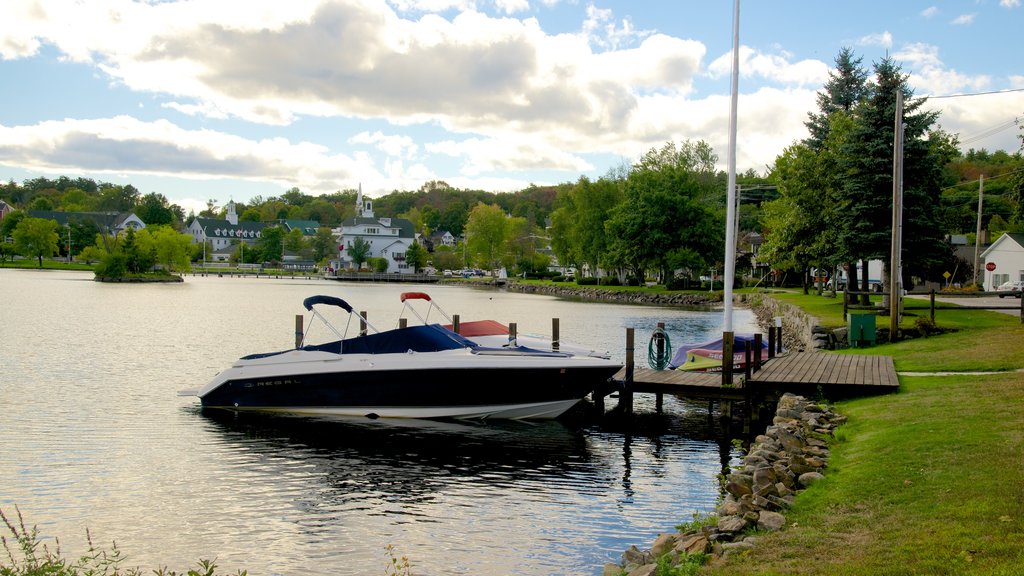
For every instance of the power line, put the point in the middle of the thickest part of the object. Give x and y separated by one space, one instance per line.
965 94
992 131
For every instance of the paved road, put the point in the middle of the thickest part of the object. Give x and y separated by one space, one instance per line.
978 301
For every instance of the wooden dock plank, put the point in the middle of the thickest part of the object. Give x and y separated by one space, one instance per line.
847 371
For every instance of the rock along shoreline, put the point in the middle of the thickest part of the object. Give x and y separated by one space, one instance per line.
791 455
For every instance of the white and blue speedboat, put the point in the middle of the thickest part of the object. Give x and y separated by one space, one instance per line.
415 372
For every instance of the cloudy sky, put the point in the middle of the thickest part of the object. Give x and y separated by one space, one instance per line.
231 99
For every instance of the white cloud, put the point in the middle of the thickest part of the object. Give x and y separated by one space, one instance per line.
774 67
930 11
127 145
883 39
963 19
398 146
929 75
512 6
1009 3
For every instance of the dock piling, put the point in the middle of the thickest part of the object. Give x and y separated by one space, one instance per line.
626 394
298 330
728 344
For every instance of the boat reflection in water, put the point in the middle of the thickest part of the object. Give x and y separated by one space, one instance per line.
406 459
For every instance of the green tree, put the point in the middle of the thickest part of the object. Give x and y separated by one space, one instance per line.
801 225
83 234
846 87
76 200
36 238
578 224
271 244
416 256
324 244
294 241
92 254
153 209
866 167
172 248
115 198
379 265
486 230
359 252
139 256
10 222
668 220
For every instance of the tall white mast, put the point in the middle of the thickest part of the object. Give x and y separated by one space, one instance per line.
730 212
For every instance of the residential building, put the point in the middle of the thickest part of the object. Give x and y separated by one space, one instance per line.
5 209
388 238
1004 260
224 234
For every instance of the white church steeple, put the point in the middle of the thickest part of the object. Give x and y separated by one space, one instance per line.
364 209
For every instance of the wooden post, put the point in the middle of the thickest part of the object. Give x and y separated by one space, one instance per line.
778 341
746 359
626 395
362 323
554 334
298 330
758 345
512 334
403 322
455 323
845 305
727 358
771 342
660 344
932 298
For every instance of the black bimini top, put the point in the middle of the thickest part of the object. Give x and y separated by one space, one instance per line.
431 338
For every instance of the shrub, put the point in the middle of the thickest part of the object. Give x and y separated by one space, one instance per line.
587 281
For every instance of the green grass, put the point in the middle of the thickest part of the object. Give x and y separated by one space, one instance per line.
47 265
926 481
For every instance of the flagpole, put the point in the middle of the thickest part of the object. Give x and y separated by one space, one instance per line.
730 212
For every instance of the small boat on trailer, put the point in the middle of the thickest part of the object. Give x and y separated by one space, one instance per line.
708 356
416 372
491 333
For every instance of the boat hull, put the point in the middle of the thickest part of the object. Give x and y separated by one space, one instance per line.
490 392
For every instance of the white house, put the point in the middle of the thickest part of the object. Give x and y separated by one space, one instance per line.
388 238
223 233
1004 260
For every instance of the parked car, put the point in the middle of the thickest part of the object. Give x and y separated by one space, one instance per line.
1012 288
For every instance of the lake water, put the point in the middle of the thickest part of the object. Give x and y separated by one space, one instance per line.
93 435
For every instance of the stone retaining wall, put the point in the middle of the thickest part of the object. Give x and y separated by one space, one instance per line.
791 455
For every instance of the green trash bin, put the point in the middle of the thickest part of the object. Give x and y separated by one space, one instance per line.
861 330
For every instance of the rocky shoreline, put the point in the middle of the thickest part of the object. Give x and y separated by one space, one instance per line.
791 455
699 300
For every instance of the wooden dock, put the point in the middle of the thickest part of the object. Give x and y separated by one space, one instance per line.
838 375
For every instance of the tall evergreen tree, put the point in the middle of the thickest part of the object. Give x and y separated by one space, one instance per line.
846 87
866 166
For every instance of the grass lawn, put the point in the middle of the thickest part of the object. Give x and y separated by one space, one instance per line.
929 480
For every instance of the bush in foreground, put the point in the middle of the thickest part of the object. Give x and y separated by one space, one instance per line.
28 556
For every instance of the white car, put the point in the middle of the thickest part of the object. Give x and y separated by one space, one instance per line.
1011 288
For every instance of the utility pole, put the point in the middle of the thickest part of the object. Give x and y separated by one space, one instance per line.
895 281
977 235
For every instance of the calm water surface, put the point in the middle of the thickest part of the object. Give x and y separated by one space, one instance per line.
93 435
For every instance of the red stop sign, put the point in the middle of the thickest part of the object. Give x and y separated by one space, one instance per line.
990 266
